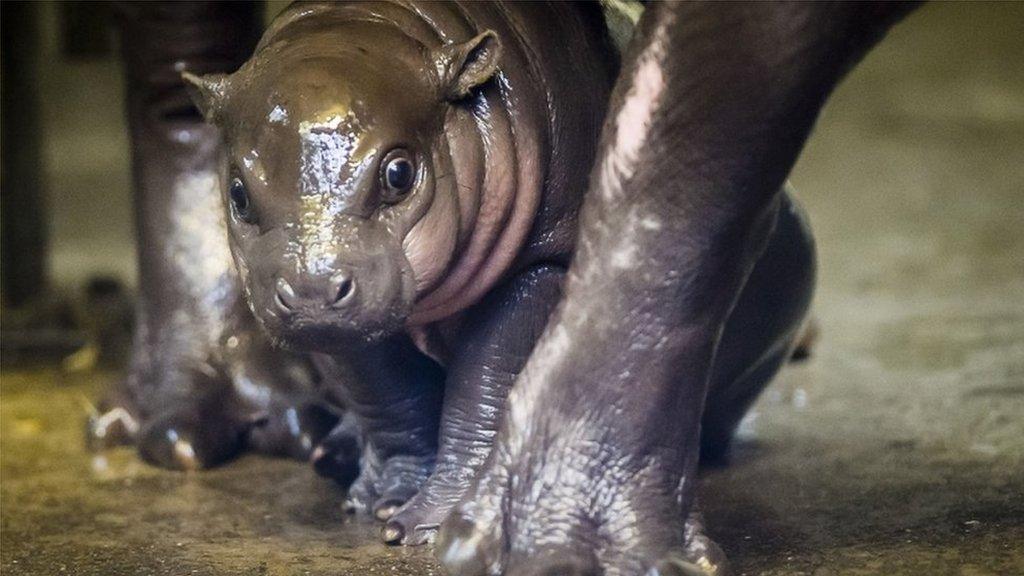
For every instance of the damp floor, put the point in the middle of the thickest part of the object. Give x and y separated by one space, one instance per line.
898 448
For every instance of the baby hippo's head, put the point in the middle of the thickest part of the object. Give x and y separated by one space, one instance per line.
342 206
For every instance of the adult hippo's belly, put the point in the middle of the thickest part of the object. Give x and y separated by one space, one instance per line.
403 181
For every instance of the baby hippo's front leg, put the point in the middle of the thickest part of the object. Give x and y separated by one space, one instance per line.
494 343
394 394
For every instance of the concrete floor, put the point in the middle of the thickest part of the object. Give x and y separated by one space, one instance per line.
897 449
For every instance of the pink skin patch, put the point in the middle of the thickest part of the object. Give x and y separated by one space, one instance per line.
431 243
464 144
633 121
510 197
497 193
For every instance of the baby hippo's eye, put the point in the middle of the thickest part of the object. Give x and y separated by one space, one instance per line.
240 201
397 174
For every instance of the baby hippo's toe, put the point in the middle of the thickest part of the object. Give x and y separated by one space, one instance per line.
416 522
412 525
385 486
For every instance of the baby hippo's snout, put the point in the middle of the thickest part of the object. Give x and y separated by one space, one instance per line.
336 293
363 293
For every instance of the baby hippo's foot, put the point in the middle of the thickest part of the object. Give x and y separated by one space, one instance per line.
385 483
417 521
565 500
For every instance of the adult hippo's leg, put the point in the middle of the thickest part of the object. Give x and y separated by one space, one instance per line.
594 468
757 339
763 329
203 382
497 339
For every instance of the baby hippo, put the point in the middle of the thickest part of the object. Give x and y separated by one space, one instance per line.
403 181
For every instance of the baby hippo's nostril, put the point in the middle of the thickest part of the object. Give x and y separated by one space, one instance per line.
342 286
285 297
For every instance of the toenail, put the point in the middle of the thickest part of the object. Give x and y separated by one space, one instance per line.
385 512
392 533
185 455
424 534
458 546
260 420
116 426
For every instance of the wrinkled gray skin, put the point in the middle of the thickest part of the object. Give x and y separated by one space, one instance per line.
203 383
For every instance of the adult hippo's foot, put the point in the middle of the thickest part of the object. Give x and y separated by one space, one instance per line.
183 414
495 341
661 545
568 503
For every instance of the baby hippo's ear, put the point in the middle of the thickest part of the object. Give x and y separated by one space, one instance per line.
466 65
207 92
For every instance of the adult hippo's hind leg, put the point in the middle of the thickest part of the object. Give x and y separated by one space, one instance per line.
497 339
202 383
767 324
